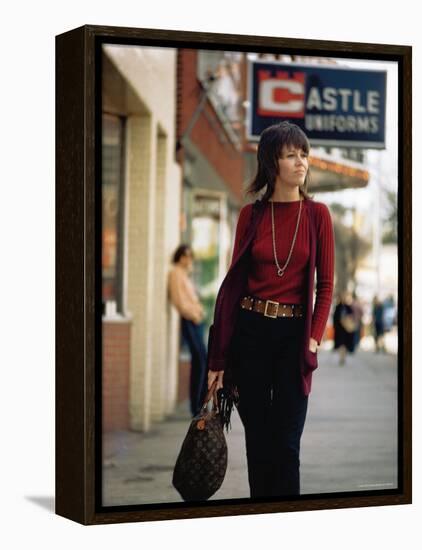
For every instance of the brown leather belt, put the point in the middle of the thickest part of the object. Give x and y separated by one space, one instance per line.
270 308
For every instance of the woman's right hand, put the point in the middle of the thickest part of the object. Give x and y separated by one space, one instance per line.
215 375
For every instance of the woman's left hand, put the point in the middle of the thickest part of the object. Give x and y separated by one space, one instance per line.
313 345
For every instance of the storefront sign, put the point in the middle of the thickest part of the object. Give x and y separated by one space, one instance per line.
335 106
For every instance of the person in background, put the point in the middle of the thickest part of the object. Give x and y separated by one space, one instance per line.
183 296
389 313
378 324
344 326
358 314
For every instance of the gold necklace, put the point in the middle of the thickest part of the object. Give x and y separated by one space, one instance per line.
281 270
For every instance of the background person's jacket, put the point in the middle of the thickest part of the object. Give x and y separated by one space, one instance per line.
183 295
234 287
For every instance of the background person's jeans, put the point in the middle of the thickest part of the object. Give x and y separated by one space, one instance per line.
194 337
272 406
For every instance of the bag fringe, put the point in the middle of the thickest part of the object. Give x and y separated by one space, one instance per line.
228 398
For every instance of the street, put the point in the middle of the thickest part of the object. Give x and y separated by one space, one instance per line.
349 442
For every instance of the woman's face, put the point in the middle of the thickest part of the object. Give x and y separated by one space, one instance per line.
293 166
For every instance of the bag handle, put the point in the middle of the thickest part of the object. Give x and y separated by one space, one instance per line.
212 392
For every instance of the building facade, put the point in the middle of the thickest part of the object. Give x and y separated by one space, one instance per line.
141 189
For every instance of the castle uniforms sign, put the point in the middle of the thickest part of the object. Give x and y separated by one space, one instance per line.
333 105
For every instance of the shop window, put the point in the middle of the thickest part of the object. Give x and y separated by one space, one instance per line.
112 212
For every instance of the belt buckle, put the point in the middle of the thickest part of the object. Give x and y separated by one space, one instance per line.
266 306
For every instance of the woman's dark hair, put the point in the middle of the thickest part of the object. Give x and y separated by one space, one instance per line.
270 146
180 251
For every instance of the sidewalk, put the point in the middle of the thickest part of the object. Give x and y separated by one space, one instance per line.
349 442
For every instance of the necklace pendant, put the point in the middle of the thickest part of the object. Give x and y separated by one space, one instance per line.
280 272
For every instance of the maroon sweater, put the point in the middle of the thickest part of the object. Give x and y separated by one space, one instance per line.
263 280
235 285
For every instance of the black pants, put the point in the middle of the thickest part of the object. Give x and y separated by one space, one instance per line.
272 406
194 336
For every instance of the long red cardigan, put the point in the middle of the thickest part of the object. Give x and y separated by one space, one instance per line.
234 287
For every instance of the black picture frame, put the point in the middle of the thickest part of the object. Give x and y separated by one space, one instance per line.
78 298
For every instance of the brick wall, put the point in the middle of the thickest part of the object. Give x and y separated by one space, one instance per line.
115 374
183 382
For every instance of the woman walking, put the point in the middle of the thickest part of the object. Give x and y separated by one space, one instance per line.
265 336
183 296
